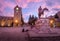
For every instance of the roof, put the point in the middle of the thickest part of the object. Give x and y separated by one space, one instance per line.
5 17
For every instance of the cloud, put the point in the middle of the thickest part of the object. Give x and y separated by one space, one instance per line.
18 1
7 11
30 6
56 9
25 3
33 1
4 4
57 6
52 3
53 6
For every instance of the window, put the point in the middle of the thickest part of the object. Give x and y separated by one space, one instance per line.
17 8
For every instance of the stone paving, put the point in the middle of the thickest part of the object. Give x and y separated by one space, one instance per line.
16 34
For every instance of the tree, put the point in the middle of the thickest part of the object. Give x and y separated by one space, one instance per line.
29 21
32 20
56 16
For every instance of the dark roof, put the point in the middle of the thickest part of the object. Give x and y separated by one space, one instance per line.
5 17
17 6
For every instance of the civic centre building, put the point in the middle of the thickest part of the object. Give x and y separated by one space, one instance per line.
17 20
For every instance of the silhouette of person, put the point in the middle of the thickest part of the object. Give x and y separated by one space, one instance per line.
23 30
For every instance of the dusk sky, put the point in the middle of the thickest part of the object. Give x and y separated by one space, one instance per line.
29 7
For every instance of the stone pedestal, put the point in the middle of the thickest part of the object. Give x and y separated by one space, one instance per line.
42 22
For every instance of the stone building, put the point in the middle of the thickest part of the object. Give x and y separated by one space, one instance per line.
6 21
16 20
57 19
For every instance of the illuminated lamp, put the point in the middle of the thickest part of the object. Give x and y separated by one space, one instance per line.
2 24
17 8
9 25
16 21
51 21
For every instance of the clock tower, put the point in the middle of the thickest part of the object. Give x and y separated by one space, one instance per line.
17 16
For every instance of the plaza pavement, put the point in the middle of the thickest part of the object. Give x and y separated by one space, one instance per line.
16 34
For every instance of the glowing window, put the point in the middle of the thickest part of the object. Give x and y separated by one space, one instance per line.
17 8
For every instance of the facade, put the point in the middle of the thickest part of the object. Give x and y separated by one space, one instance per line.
50 22
6 21
17 20
57 19
17 16
42 22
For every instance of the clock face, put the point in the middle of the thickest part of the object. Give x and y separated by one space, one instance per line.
17 8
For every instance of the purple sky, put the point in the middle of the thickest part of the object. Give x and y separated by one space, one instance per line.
29 7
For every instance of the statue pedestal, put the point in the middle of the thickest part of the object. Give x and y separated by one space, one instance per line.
42 22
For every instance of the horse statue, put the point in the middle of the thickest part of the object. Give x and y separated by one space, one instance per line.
41 11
